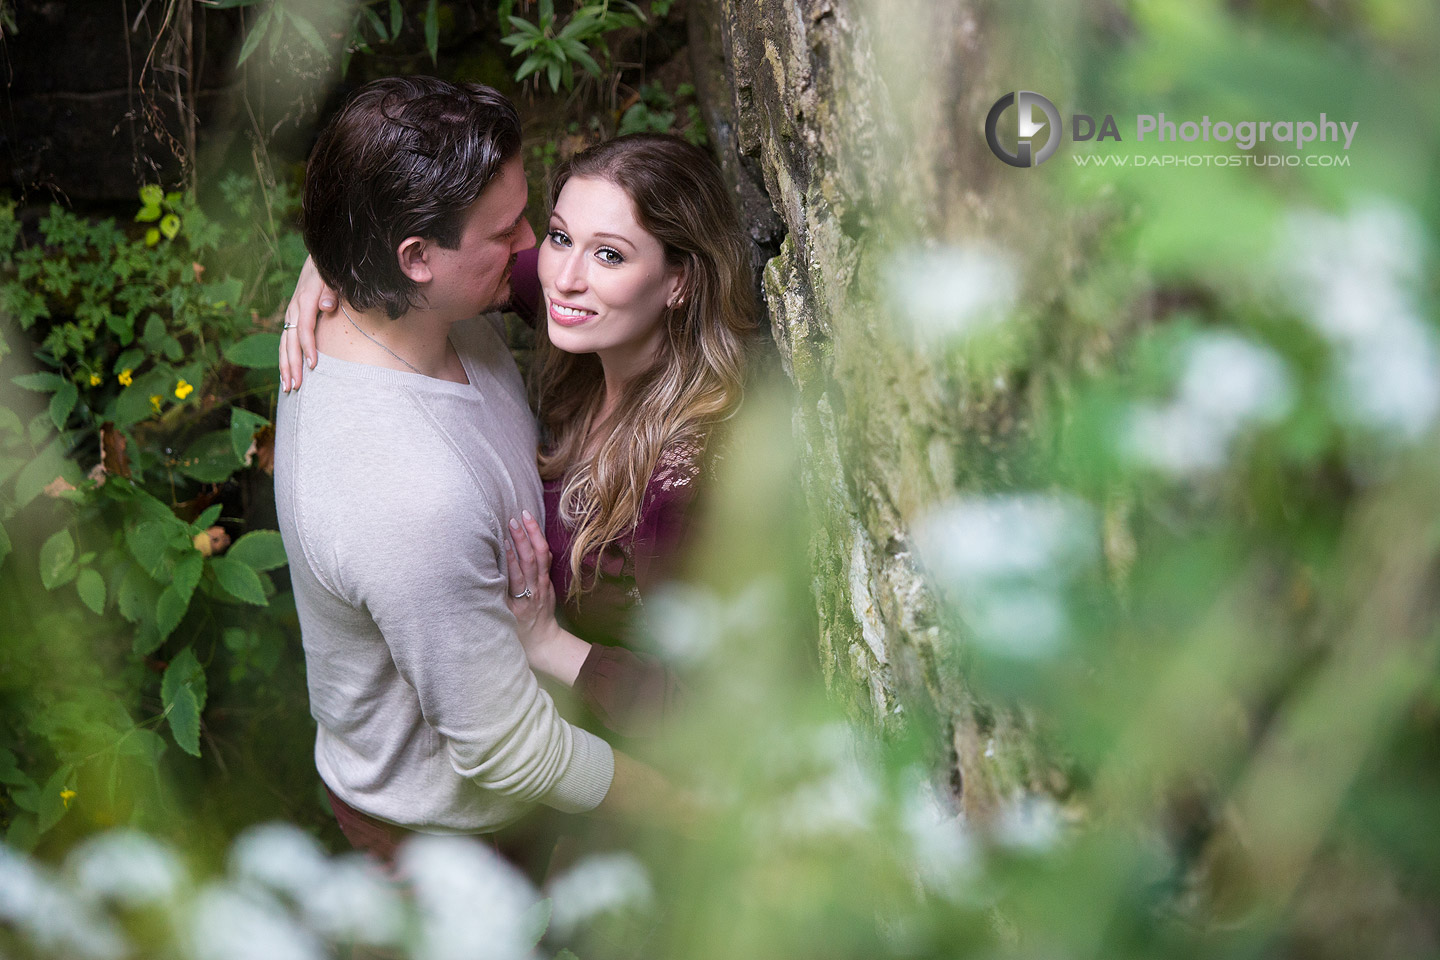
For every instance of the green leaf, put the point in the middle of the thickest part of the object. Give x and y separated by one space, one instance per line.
147 639
432 30
522 25
256 34
184 671
258 351
133 403
152 195
175 599
577 27
10 773
259 550
39 381
206 519
62 403
23 833
39 473
307 31
91 587
583 57
184 715
532 63
128 360
5 544
396 18
55 558
170 610
140 742
211 459
554 77
239 580
148 540
243 425
376 24
137 596
52 803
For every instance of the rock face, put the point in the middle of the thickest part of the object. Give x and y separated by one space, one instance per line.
851 141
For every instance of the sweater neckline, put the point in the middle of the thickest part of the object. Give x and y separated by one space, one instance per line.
352 370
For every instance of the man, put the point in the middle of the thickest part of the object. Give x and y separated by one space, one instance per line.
396 468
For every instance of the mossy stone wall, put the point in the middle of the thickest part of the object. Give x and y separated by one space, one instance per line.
837 170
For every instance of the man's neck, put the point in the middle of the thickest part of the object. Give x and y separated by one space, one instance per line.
416 342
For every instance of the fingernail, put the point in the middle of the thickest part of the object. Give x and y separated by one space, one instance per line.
284 385
526 514
312 363
327 304
514 524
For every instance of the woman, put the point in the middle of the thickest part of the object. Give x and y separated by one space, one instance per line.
647 303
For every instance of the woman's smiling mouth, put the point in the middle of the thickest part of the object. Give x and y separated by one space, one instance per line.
567 315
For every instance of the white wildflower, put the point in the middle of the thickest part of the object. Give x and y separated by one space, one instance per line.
601 883
951 292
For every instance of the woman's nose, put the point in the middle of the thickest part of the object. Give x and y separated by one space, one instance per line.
571 275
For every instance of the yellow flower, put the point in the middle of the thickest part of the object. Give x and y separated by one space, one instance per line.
125 378
155 401
96 379
66 796
183 389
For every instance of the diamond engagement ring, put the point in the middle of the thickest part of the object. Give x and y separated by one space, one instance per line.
522 596
288 326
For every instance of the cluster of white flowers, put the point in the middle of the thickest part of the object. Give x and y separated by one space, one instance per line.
283 898
1355 279
1228 385
602 883
1004 562
951 293
686 623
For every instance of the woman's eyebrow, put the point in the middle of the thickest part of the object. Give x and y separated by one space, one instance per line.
616 236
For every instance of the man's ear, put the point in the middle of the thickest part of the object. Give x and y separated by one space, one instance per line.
413 255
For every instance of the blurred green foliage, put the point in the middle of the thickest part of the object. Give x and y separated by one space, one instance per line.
156 384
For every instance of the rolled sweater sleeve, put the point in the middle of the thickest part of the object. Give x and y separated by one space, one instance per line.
439 603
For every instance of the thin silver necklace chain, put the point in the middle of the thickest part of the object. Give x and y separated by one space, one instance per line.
376 342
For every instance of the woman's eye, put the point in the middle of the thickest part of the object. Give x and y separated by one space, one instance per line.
609 256
558 236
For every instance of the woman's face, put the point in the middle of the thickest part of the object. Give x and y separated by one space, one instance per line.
605 279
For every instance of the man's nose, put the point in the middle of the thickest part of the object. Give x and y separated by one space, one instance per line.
526 237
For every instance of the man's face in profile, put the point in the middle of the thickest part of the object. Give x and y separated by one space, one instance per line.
475 276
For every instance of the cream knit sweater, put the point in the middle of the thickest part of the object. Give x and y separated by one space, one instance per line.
394 490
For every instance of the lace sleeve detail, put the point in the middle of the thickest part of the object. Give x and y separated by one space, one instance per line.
663 532
678 466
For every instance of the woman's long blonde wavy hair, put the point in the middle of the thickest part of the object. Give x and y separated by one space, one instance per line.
696 379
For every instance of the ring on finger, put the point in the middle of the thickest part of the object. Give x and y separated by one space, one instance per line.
523 596
288 326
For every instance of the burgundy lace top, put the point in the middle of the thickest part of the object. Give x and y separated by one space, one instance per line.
629 693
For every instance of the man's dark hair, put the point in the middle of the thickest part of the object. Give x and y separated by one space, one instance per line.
405 157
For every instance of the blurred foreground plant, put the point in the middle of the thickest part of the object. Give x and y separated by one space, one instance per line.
123 493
